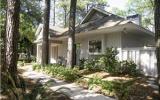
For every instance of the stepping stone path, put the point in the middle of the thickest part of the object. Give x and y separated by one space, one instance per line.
71 89
152 83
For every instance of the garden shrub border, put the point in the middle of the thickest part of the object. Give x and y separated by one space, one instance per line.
117 89
60 72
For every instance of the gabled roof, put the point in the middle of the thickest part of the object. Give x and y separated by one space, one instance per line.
96 13
54 30
95 19
106 20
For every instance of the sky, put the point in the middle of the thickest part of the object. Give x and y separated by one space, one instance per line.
117 3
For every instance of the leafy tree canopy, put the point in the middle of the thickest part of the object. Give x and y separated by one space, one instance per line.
143 7
30 17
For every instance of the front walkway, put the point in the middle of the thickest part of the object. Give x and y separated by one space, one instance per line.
75 92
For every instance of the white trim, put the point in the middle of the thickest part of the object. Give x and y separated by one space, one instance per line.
140 48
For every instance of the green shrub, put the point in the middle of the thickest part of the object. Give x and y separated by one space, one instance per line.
93 64
90 64
122 89
36 67
81 63
109 63
109 59
106 62
116 88
127 68
106 85
59 72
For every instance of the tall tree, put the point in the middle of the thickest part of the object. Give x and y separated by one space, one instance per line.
30 17
3 7
136 7
45 41
54 12
145 9
12 35
71 35
157 36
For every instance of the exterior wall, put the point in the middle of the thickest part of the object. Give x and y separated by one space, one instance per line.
39 53
114 40
40 35
83 48
51 54
62 50
137 48
135 40
108 40
84 44
145 58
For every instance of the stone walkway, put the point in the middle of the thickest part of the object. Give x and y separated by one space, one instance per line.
71 89
152 83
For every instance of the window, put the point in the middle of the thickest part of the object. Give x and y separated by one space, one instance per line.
95 46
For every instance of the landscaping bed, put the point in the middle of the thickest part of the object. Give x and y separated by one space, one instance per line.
107 75
124 87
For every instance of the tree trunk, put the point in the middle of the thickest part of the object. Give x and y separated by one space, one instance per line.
54 11
71 36
157 37
3 37
12 35
45 43
65 16
3 57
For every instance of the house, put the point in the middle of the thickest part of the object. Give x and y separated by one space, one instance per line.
97 31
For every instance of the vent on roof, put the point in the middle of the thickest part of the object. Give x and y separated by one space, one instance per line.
135 19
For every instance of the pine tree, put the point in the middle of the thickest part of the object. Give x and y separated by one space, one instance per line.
71 36
45 42
157 36
12 35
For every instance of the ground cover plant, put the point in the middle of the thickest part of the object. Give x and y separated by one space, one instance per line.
110 88
59 72
122 86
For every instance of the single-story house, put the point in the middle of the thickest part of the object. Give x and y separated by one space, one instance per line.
99 30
